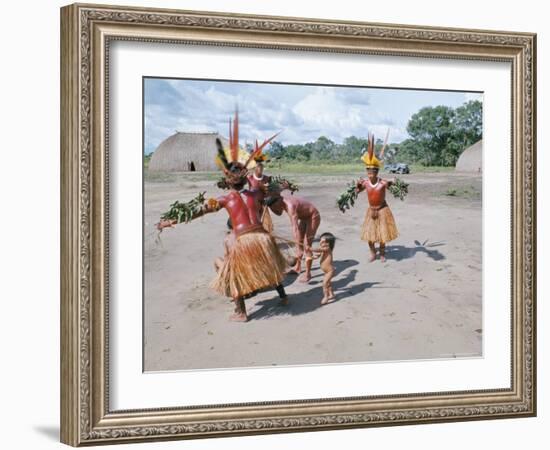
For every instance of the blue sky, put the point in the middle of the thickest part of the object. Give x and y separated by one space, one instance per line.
301 113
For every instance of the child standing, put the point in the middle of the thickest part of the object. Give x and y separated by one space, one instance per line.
326 246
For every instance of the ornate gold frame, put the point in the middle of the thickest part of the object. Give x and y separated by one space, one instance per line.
86 31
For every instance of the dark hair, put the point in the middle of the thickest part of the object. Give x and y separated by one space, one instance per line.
222 183
229 224
235 176
271 200
330 238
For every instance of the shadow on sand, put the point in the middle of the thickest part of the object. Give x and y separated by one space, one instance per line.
400 252
339 267
308 301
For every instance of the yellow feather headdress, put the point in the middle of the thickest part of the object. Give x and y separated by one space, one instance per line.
369 158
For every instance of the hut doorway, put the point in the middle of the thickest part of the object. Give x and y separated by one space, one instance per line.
192 167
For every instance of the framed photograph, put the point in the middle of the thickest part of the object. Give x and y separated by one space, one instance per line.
276 224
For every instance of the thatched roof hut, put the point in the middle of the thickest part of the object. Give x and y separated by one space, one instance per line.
186 152
470 159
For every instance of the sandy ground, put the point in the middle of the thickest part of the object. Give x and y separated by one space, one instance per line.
423 303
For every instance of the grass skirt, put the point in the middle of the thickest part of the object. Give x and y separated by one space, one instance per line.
380 229
254 262
267 221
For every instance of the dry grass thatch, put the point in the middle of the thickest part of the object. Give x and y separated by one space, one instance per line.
470 159
186 152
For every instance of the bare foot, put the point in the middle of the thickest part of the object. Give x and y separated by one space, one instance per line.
372 257
305 278
238 317
382 258
332 297
283 301
324 301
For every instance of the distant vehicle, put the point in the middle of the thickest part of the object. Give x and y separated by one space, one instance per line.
398 168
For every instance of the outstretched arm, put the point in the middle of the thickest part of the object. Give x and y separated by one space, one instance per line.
165 223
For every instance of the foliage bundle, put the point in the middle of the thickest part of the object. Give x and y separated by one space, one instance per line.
347 198
278 183
399 189
185 212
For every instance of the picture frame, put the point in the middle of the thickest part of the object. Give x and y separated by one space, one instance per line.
87 31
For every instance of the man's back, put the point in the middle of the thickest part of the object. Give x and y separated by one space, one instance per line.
244 209
302 208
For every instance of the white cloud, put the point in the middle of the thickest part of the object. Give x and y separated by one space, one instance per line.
339 113
302 113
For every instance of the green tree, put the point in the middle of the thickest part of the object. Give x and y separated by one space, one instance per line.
440 134
297 152
437 137
468 123
276 150
431 129
322 149
352 147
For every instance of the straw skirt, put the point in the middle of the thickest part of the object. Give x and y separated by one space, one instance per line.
267 221
254 262
379 226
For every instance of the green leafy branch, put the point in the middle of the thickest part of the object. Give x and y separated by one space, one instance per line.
347 199
399 189
278 183
185 212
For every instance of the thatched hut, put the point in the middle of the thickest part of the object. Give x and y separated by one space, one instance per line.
186 152
470 160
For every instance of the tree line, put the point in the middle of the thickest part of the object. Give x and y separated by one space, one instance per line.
438 135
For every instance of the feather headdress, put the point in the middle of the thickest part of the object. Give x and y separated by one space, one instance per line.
233 155
257 154
237 156
369 158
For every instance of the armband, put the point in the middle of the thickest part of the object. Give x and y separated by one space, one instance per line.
212 203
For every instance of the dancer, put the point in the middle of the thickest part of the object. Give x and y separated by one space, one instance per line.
379 225
305 220
254 261
259 181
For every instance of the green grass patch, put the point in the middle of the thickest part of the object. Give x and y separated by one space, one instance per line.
170 177
338 168
289 169
315 168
